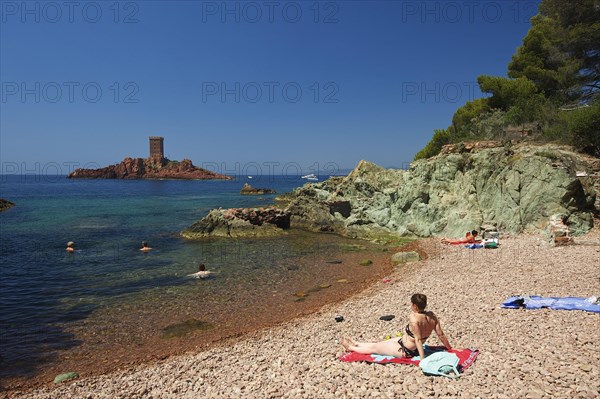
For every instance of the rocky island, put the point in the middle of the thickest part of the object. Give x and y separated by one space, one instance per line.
154 167
249 190
144 168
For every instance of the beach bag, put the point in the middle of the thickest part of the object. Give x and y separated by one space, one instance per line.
440 363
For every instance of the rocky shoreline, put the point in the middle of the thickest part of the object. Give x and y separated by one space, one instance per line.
525 354
5 205
146 168
516 189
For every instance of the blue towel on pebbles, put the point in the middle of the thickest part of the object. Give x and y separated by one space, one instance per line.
556 303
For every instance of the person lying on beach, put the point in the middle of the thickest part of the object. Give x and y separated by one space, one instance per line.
70 246
420 325
145 247
201 273
469 239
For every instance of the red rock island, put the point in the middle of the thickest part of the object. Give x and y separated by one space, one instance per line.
154 167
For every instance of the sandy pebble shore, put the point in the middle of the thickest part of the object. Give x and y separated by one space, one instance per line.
524 354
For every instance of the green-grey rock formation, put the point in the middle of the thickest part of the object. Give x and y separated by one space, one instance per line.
515 188
240 223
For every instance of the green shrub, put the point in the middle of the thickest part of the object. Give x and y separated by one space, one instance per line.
439 139
548 154
462 121
584 128
489 125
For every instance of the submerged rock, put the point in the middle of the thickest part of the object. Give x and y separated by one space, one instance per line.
185 327
65 377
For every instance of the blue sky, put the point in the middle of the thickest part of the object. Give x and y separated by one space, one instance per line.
317 84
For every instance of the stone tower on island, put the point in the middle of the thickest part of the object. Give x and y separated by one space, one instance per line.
157 151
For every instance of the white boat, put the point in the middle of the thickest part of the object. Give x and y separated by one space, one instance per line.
310 177
249 177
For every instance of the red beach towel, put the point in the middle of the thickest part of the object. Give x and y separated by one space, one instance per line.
466 357
460 242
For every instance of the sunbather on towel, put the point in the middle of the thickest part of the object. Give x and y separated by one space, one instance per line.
419 328
469 239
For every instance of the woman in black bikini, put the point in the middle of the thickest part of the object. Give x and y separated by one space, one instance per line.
419 328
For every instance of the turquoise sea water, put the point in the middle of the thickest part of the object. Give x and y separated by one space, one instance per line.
44 290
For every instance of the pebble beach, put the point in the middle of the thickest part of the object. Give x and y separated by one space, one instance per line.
523 353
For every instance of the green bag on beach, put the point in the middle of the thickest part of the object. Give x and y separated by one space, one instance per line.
440 363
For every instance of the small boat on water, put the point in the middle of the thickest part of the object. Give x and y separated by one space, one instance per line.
249 177
310 177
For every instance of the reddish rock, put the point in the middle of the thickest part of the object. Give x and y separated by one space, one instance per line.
240 222
146 168
259 216
469 146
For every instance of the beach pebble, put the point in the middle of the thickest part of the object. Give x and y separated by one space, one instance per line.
65 377
535 394
586 367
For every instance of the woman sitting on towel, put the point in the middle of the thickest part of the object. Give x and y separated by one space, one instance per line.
420 325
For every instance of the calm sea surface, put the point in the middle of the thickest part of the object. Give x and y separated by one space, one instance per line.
49 298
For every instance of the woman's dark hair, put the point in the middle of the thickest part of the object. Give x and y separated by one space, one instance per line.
420 300
144 244
474 232
201 267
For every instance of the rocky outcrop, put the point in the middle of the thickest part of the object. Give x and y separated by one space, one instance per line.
240 222
469 147
517 188
249 190
145 168
4 204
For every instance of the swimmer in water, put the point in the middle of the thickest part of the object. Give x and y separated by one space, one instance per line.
145 247
201 273
70 247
